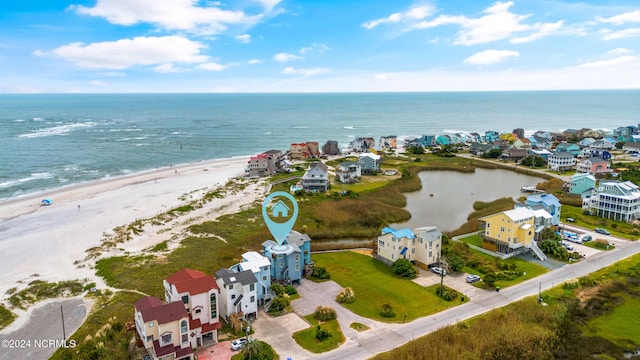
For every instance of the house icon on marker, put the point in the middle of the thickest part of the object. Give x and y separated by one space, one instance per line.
280 209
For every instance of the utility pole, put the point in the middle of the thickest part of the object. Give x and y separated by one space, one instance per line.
64 334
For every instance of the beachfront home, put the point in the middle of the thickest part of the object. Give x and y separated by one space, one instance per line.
593 166
475 137
303 151
388 142
263 164
614 200
582 184
479 149
574 149
562 161
421 245
543 142
510 232
361 144
316 178
412 141
428 140
238 294
514 154
491 136
260 266
348 172
369 163
547 202
603 145
631 147
522 143
163 329
586 142
199 293
443 140
331 148
289 261
543 153
518 133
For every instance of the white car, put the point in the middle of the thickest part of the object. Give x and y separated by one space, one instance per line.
473 278
238 344
439 271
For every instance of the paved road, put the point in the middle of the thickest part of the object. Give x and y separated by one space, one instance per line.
41 336
383 337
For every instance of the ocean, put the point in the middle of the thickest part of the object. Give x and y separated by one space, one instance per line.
53 140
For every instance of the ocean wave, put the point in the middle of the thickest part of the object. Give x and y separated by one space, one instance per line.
34 176
349 127
56 130
19 120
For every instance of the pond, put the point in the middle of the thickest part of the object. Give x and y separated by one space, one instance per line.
447 197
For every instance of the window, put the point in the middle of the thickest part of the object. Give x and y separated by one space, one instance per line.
230 286
185 338
297 267
380 243
185 299
264 278
430 255
253 299
280 256
252 287
198 311
413 251
233 296
214 306
297 257
281 264
166 339
149 338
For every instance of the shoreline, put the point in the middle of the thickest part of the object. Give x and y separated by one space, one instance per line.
50 242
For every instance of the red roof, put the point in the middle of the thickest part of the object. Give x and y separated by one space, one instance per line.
192 282
152 308
204 328
170 349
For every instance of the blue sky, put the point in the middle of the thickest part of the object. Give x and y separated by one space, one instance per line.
105 46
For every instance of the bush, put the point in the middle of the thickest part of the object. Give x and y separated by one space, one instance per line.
278 305
446 293
322 333
346 296
277 289
405 268
387 311
325 313
289 289
320 272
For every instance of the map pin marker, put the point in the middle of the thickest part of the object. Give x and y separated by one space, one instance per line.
279 214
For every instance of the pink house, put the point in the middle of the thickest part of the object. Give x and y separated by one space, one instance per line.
593 166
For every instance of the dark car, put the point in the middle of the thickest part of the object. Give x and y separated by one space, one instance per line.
602 231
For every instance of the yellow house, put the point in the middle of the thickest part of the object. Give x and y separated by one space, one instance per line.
509 231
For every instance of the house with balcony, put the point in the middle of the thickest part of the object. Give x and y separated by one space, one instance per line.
603 145
510 232
290 260
543 153
305 150
260 266
388 142
582 184
163 329
593 166
331 148
542 143
615 200
361 144
546 202
316 178
422 245
238 293
443 140
428 140
522 143
631 147
199 293
514 154
348 172
264 164
491 136
369 163
572 148
561 161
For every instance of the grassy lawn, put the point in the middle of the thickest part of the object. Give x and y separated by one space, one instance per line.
621 326
472 240
358 326
375 284
617 228
595 245
307 337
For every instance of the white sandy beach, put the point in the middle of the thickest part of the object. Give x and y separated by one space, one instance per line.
46 240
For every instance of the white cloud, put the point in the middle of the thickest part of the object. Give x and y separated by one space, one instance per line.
306 72
610 63
244 38
413 14
125 53
620 34
286 57
489 57
254 61
543 30
166 68
113 74
317 48
98 83
619 52
621 19
211 66
170 14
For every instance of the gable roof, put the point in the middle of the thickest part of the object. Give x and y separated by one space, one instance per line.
192 281
547 199
151 308
245 277
297 238
399 234
519 214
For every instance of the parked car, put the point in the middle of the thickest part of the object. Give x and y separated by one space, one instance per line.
238 344
473 278
567 246
439 271
571 220
586 238
602 231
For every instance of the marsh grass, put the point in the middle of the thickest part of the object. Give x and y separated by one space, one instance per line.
6 317
38 290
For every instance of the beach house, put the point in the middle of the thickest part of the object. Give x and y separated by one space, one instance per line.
260 266
428 140
421 245
491 136
331 148
262 165
289 261
561 161
388 142
361 144
305 150
631 147
238 294
163 329
316 178
199 293
522 143
547 202
369 163
593 166
348 172
582 184
572 148
614 200
510 232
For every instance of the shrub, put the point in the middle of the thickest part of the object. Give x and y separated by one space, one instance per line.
490 278
346 296
278 305
405 268
387 311
446 293
320 272
289 289
322 333
277 289
325 313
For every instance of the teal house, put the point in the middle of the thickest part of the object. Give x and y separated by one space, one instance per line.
582 184
288 261
574 149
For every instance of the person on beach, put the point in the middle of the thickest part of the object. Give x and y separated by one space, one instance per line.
78 207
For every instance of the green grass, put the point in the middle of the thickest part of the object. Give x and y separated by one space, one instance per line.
6 317
617 228
621 326
595 245
375 284
307 337
358 326
40 290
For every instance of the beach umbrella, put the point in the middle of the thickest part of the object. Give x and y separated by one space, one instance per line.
46 201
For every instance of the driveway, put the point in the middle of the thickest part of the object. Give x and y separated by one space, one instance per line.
219 351
277 332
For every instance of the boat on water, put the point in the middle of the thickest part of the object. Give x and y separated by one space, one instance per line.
530 189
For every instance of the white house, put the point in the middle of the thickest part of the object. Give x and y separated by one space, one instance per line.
561 161
199 293
238 293
421 245
348 172
260 266
316 178
615 200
